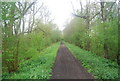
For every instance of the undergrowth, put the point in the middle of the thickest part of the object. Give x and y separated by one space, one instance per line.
38 67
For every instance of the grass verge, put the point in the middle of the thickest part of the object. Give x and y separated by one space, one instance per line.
100 67
39 67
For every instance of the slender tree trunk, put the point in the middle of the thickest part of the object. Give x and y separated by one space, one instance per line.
118 55
103 14
33 17
19 26
105 51
16 55
23 27
29 24
88 27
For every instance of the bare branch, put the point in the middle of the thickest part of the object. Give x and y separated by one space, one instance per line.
39 9
41 30
94 16
81 6
24 11
111 7
73 7
84 17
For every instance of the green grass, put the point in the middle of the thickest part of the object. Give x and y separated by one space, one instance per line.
100 67
39 67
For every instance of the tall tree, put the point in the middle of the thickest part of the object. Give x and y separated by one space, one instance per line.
12 13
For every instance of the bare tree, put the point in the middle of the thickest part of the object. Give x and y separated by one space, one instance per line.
104 12
34 11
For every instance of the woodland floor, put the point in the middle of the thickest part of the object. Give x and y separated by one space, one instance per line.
68 67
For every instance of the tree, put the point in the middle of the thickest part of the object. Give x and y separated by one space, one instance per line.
94 28
12 13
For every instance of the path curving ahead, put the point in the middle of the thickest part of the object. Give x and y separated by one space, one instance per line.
68 67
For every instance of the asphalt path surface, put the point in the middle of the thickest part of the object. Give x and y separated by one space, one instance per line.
68 67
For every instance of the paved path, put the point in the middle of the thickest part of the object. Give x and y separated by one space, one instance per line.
68 67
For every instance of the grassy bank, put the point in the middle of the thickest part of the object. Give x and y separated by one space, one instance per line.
100 67
38 67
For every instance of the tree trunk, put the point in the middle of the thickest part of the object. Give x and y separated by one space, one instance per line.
88 45
105 50
16 56
103 14
23 28
88 26
118 55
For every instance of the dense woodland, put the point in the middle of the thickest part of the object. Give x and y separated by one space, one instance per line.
28 30
95 28
24 36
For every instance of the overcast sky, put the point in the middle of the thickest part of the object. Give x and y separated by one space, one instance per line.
60 10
